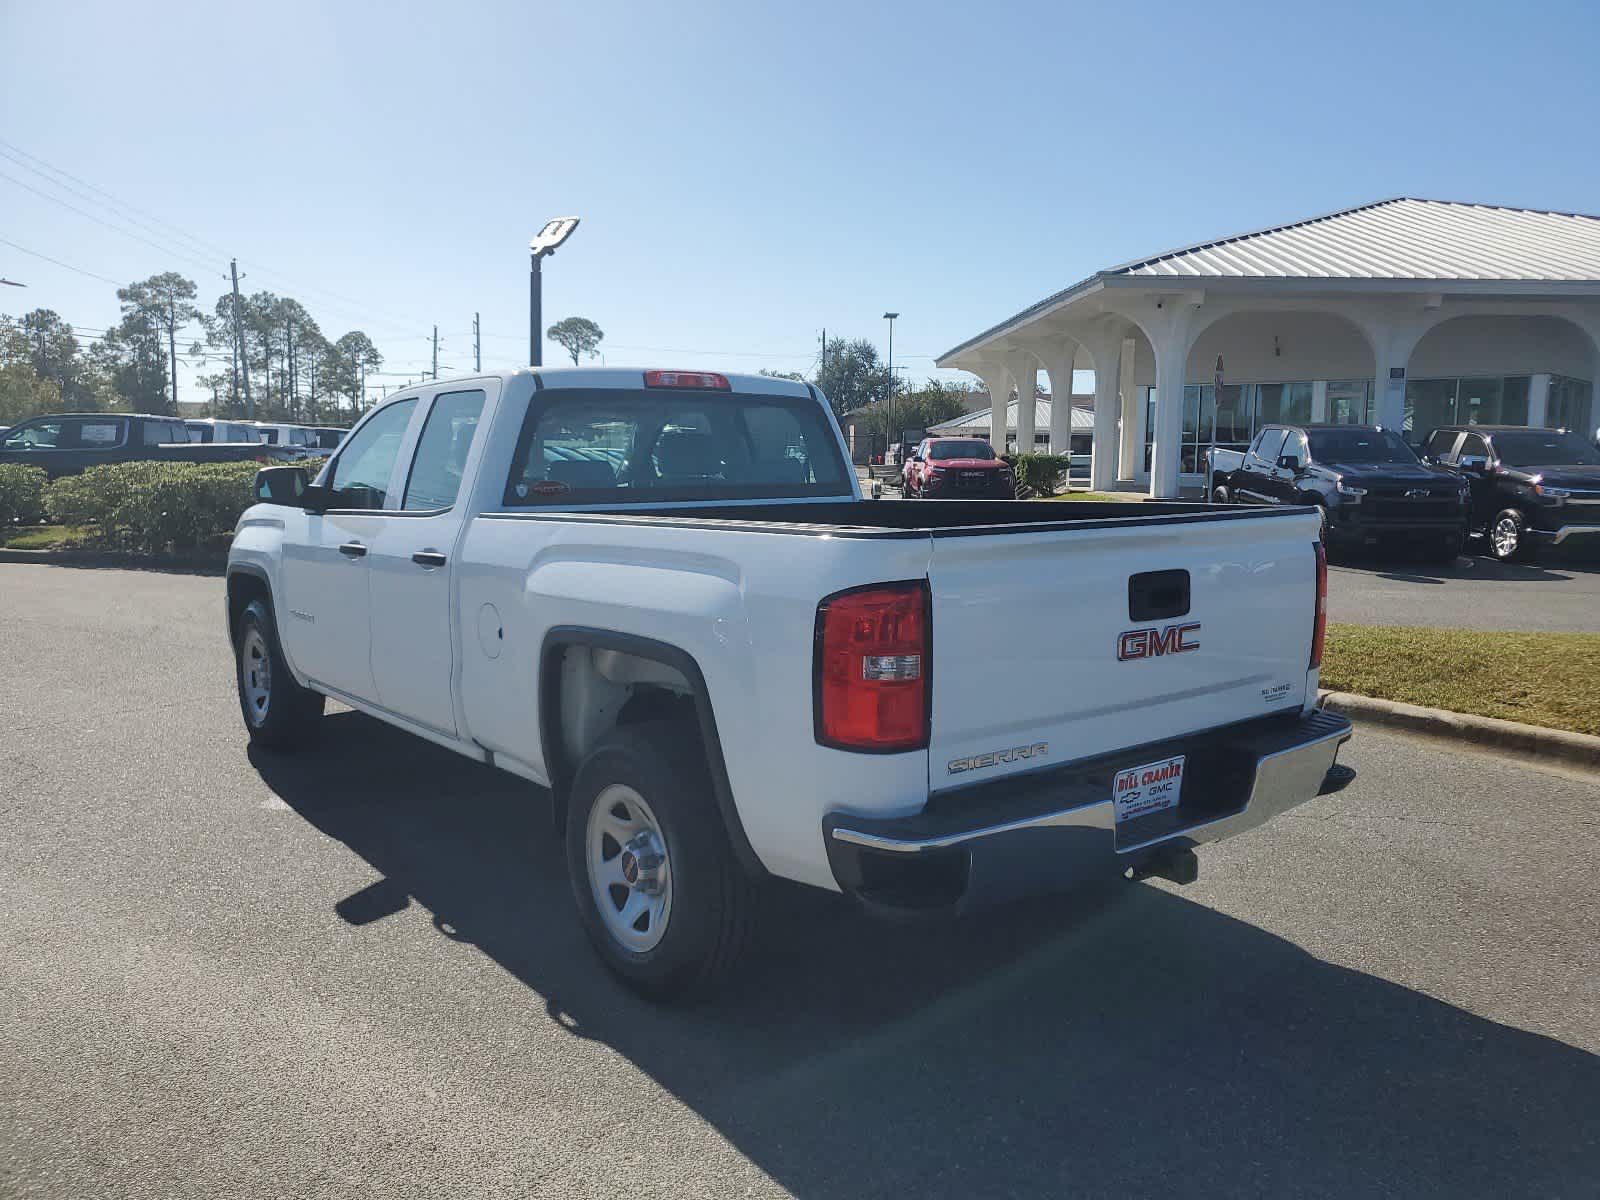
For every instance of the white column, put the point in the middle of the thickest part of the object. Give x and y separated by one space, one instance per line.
1058 360
1538 400
1024 368
998 380
1131 451
1106 350
1393 347
1319 401
1172 354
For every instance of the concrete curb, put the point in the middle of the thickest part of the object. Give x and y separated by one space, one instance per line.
193 564
1490 733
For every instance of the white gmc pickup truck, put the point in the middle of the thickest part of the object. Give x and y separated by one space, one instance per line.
661 595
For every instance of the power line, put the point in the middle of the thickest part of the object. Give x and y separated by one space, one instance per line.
124 210
129 209
59 263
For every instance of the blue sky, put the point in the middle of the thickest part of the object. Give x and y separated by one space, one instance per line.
746 173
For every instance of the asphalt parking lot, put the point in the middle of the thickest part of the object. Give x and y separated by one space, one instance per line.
355 972
1558 593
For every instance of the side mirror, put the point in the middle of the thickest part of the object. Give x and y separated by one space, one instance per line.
281 485
1289 462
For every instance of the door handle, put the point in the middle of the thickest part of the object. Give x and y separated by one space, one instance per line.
353 550
428 558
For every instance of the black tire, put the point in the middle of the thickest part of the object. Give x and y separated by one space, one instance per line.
1219 495
1508 537
713 899
281 715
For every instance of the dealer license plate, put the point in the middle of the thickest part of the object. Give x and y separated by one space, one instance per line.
1152 788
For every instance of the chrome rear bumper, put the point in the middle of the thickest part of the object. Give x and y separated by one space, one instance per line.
1054 828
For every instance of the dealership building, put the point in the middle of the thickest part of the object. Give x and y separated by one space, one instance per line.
1405 313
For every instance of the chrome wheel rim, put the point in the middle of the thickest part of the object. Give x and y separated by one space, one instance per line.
255 675
629 875
1505 537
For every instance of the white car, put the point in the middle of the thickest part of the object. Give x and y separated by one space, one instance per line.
209 430
294 438
661 595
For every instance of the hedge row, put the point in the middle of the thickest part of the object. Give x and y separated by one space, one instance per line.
142 507
21 494
1039 474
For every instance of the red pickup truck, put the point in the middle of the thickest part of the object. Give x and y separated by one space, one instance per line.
957 468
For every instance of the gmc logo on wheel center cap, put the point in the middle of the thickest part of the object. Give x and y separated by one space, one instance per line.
1153 643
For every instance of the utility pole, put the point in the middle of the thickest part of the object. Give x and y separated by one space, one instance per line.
824 371
436 352
238 341
477 343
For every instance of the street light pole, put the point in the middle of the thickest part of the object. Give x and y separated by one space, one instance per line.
535 342
888 401
544 242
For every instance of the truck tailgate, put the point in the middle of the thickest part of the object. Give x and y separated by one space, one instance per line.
1043 653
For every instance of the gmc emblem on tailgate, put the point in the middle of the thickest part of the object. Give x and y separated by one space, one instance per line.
1152 643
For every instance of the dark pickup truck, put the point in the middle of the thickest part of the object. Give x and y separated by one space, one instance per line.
1530 487
1369 486
66 443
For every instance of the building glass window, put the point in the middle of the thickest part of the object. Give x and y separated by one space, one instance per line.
1569 406
1349 402
1490 400
1288 402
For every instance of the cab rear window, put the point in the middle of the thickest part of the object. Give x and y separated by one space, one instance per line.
584 445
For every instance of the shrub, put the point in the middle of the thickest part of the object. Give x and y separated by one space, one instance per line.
155 508
21 494
1039 474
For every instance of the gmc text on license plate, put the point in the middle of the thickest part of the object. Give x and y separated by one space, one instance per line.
1151 788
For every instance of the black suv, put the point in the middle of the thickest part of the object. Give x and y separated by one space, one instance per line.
1367 483
1530 487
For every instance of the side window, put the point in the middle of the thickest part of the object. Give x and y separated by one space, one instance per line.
360 477
42 435
1441 444
442 451
1296 445
99 434
1269 445
154 433
1474 446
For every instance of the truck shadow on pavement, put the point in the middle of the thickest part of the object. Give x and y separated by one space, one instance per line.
1115 1043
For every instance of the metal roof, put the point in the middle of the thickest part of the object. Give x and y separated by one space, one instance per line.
976 422
1406 239
1398 239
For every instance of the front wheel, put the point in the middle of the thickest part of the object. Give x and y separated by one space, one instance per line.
1220 495
658 890
278 712
1508 537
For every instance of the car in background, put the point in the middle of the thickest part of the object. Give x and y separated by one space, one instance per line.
1367 484
67 443
297 441
207 430
328 436
1530 488
956 468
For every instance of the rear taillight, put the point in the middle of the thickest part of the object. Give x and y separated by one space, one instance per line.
1319 626
872 656
701 380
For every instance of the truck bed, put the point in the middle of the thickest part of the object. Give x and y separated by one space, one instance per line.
890 518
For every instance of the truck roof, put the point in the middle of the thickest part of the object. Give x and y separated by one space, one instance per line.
633 377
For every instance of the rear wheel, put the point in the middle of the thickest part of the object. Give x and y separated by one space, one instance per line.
657 887
1508 537
277 711
1219 495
